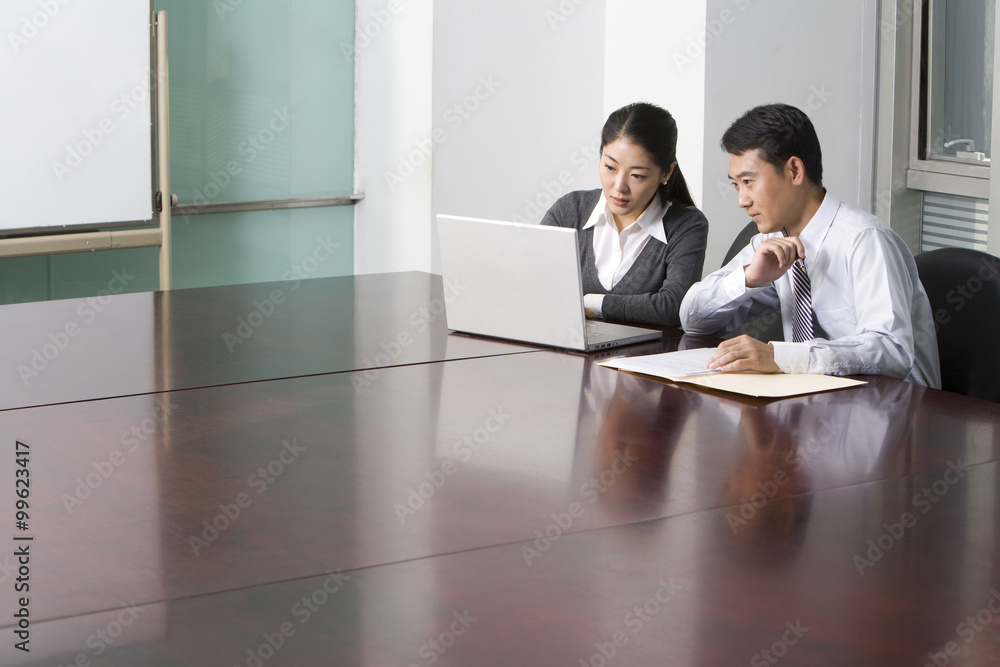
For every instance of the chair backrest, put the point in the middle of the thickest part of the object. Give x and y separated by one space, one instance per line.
964 290
741 241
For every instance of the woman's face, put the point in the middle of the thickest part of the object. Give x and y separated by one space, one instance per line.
629 179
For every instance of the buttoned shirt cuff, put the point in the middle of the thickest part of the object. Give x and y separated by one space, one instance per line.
594 302
735 284
791 357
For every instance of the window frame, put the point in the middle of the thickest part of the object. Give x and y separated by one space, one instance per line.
954 177
900 176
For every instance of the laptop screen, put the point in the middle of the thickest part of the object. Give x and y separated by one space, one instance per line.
514 280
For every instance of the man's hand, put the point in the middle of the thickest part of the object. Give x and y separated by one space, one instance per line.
744 353
772 259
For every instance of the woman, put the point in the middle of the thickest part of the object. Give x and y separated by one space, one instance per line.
642 241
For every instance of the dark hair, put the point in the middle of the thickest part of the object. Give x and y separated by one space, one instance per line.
778 131
654 130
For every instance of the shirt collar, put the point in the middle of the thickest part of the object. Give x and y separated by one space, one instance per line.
814 232
816 229
650 222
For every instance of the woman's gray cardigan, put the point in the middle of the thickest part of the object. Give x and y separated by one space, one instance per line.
652 290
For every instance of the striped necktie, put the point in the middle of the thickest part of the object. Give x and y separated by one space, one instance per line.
802 323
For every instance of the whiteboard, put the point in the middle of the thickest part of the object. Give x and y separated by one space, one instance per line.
77 114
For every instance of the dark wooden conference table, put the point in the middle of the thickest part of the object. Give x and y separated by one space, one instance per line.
340 481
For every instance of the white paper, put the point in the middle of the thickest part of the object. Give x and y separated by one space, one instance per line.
669 365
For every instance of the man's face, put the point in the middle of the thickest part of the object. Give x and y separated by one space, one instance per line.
766 193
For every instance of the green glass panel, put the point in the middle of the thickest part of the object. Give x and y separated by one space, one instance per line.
261 99
260 246
24 279
106 272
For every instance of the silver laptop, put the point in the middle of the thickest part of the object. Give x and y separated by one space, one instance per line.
521 282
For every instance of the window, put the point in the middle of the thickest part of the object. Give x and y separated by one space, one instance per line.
953 115
958 80
936 117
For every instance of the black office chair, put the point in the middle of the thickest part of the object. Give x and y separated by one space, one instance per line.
964 290
765 328
741 241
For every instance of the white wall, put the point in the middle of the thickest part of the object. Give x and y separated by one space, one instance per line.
534 81
818 56
655 52
393 98
517 105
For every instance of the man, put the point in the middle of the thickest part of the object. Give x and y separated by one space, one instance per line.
846 285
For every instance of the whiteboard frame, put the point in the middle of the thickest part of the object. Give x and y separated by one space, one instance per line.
74 237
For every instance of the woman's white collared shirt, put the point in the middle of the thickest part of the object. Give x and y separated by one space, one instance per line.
614 252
